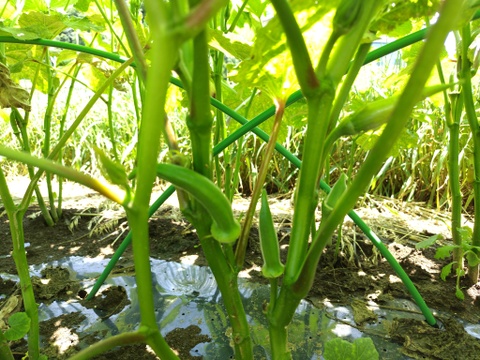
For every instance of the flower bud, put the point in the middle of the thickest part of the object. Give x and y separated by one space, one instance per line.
346 16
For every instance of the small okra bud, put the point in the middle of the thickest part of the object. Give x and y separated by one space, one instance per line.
375 114
346 15
272 265
334 195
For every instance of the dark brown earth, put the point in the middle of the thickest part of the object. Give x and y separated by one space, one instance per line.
351 275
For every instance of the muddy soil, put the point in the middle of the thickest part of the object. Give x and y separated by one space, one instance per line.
351 272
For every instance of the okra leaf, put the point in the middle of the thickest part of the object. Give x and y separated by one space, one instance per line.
459 294
11 94
446 270
428 242
445 251
472 258
19 325
338 349
364 349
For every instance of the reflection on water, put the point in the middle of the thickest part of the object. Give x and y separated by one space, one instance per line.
187 295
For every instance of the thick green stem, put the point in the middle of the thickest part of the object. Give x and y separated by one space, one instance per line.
279 343
132 38
227 282
400 115
469 102
5 352
24 142
20 257
109 343
47 125
347 45
453 124
291 294
301 59
163 59
306 195
200 120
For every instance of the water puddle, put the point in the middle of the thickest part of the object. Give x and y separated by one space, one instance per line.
187 295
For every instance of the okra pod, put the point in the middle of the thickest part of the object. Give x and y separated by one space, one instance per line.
272 265
225 228
375 114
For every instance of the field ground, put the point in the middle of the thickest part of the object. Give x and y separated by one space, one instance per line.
355 276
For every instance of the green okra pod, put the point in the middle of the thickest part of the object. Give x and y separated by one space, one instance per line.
346 15
225 227
272 265
375 114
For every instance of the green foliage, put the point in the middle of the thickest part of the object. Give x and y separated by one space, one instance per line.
255 55
360 349
19 325
428 242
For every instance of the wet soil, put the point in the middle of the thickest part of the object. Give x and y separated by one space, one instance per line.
351 272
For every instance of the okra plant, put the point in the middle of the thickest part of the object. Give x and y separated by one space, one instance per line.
178 40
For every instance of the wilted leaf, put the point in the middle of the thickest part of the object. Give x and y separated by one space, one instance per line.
19 325
11 94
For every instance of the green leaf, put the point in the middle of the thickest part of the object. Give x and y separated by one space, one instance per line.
445 251
83 5
446 270
61 4
466 233
19 325
428 242
364 349
472 258
229 44
338 349
459 293
87 23
17 33
112 170
35 5
46 26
